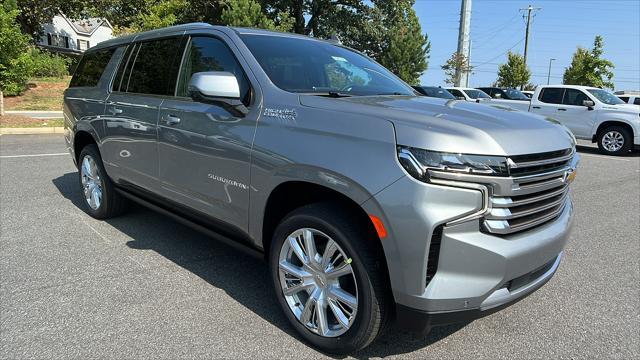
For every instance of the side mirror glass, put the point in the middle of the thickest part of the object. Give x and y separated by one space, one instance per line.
214 84
588 103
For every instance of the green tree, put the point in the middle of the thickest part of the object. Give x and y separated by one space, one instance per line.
248 13
161 14
454 66
405 50
14 58
588 68
35 13
514 73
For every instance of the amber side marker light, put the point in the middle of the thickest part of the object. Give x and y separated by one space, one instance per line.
377 223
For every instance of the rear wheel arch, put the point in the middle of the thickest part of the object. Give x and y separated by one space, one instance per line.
80 140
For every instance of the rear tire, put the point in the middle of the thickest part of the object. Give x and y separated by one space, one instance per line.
366 282
100 197
614 140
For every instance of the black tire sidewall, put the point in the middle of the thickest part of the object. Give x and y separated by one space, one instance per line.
359 333
625 134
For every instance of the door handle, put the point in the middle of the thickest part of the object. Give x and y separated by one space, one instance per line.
562 109
115 111
172 120
535 107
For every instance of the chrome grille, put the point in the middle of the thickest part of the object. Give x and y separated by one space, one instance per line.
538 193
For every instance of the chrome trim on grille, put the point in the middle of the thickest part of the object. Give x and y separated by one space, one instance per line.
560 159
517 203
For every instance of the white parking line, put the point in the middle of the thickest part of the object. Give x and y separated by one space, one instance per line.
31 155
604 157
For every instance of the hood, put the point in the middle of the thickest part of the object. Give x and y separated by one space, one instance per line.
455 126
622 109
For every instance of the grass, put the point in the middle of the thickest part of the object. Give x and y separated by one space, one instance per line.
19 121
43 94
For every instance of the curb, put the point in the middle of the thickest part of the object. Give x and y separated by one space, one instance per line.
29 131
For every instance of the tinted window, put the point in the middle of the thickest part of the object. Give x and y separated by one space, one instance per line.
154 70
574 97
91 68
515 94
455 92
551 95
434 92
210 54
309 66
624 98
476 94
125 63
637 101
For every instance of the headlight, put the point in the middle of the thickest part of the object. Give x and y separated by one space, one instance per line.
418 162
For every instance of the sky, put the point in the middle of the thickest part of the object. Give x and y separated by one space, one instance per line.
556 32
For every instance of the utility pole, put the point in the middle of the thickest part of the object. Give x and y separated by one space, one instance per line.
549 74
530 9
464 44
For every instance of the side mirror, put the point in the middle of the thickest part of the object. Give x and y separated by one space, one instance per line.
497 96
461 98
219 87
214 84
588 103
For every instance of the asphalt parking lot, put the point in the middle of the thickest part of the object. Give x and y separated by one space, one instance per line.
144 286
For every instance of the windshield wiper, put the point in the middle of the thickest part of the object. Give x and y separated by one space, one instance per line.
331 94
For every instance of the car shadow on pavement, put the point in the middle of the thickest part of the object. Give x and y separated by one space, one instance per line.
243 277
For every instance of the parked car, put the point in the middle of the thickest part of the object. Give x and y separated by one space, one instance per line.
468 94
504 93
527 93
371 204
434 91
591 114
630 99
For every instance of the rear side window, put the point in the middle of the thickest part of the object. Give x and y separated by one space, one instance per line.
91 68
455 92
574 97
636 101
154 69
551 95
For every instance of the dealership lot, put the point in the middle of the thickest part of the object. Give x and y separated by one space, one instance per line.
144 286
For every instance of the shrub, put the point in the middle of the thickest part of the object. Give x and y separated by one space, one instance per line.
48 65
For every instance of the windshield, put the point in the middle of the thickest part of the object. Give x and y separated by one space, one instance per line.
437 92
516 94
307 66
476 94
605 96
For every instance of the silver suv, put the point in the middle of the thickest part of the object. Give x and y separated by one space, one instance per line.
372 204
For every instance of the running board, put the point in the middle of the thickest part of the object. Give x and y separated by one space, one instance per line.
246 248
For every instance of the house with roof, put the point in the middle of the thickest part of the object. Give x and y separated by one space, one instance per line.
74 36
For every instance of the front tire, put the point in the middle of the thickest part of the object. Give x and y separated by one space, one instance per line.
101 199
614 140
329 278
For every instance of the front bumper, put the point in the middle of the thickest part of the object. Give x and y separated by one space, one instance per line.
421 321
477 272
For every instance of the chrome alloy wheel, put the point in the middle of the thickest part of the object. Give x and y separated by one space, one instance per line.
612 141
318 282
91 183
